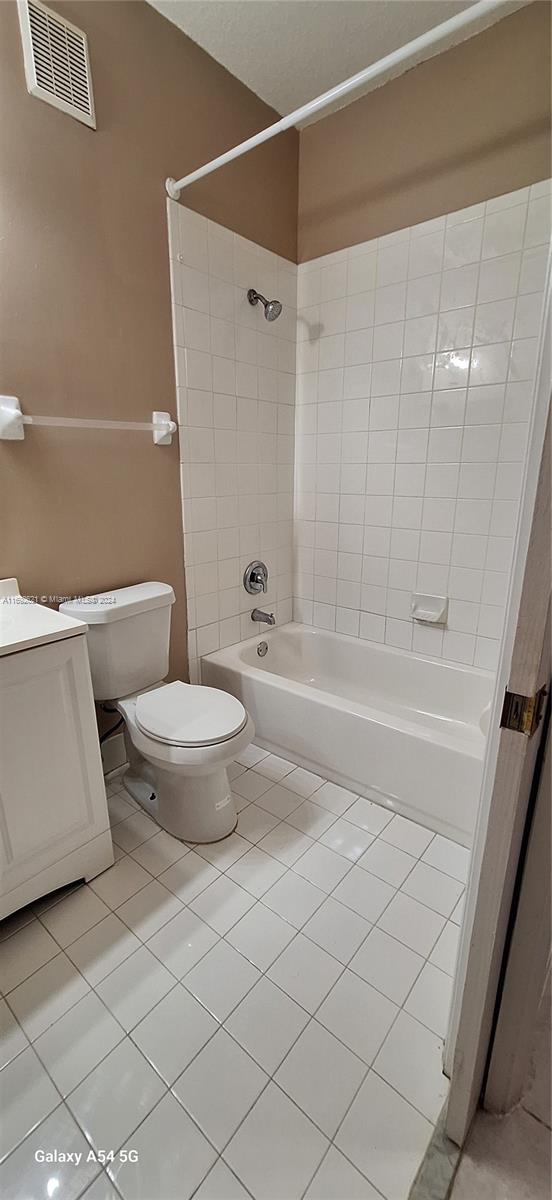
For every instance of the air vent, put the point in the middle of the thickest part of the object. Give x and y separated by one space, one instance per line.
57 67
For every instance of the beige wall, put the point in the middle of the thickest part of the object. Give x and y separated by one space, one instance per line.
85 298
467 125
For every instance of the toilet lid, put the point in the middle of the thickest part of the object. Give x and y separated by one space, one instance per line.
184 714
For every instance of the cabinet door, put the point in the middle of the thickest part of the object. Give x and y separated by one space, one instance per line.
52 794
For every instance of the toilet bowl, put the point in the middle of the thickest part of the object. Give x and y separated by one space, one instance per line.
180 737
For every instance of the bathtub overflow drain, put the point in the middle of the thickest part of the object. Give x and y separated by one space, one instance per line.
262 649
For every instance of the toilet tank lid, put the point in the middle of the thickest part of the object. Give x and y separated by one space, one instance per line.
118 603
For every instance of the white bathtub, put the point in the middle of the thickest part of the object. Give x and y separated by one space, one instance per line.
401 729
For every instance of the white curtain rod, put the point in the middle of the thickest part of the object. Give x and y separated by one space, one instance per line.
472 16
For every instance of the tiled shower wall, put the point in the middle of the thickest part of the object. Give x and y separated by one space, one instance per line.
416 357
236 411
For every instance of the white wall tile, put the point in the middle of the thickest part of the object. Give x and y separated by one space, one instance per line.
409 462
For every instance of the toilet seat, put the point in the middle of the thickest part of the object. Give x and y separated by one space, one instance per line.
189 715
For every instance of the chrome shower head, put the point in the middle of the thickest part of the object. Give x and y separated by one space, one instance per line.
272 308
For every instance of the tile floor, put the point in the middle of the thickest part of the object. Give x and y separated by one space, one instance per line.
262 1017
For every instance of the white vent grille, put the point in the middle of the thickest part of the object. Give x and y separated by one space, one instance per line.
57 66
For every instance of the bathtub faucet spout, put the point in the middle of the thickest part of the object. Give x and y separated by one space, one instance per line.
258 615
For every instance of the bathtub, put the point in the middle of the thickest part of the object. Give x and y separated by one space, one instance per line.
400 729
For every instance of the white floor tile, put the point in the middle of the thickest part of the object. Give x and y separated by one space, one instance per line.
321 1076
221 1184
220 1087
347 839
449 857
274 767
285 843
12 1038
411 1060
388 965
279 800
305 972
173 1032
337 929
311 819
364 893
182 942
458 913
358 1015
119 882
101 1189
251 755
251 785
102 949
267 1023
371 817
222 904
302 782
78 1042
387 862
132 989
337 1179
433 888
334 799
46 995
412 923
23 1176
384 1137
28 1095
294 899
221 980
74 915
322 866
430 999
173 1174
277 1149
189 876
407 835
24 952
255 822
134 830
160 852
112 1101
149 909
234 770
445 951
119 807
260 936
222 854
256 871
240 802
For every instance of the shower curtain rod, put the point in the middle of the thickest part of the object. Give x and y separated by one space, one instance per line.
474 15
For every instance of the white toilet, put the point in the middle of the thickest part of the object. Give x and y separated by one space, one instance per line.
180 737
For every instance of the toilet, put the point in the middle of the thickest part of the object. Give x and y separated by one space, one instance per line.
180 737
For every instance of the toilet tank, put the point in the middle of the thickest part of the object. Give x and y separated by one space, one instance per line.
128 637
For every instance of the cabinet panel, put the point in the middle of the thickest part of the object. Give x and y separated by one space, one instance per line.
52 795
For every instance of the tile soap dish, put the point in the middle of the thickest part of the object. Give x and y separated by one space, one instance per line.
430 610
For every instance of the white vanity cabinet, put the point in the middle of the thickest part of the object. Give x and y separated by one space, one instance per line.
54 824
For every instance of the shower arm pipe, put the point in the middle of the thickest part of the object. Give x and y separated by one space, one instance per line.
473 16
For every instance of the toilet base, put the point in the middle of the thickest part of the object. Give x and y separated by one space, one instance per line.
192 808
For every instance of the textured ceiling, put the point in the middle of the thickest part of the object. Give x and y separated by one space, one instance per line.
289 51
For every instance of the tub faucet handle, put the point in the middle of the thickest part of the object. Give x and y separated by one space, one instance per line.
255 578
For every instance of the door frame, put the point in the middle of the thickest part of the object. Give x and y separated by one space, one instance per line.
507 773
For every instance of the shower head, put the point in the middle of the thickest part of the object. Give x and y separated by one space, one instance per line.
272 308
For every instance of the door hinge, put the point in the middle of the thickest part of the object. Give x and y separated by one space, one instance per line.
522 713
